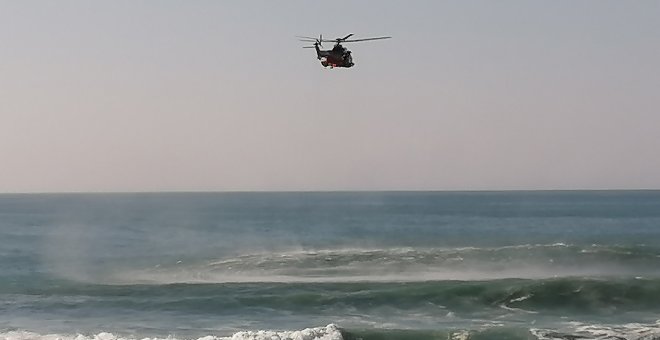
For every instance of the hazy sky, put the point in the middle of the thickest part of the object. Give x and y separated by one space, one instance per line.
218 95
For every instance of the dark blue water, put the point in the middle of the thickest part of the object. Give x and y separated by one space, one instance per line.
401 265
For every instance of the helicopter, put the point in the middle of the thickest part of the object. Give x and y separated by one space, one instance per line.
338 56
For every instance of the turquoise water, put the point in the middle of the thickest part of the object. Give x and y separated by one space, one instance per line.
401 265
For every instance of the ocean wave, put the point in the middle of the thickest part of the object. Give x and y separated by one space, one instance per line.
630 331
574 331
329 332
533 261
571 331
562 296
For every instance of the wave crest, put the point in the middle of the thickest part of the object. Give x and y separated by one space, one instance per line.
329 332
535 261
570 331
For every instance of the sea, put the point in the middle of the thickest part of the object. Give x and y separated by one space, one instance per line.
330 265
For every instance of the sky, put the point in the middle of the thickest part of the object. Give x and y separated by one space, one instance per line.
115 96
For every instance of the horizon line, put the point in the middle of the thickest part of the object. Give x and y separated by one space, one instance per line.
318 191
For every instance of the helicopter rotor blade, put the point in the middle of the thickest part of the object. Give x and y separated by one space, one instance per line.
341 40
366 39
318 41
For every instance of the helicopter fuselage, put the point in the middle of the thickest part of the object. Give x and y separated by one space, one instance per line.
338 56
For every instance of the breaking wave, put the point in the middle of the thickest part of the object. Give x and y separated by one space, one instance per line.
561 296
330 332
571 331
407 264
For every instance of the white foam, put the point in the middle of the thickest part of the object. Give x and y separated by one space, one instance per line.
522 298
329 332
631 331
